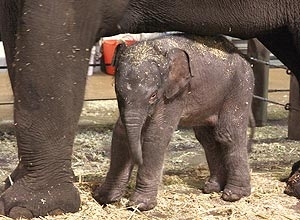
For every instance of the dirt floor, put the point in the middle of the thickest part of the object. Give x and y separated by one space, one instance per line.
180 195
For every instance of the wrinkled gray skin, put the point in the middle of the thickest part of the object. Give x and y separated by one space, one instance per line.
47 45
169 81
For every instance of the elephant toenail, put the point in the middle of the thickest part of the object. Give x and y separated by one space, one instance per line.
20 212
56 212
227 192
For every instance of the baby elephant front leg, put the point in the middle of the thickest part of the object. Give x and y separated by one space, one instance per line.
150 172
148 177
120 169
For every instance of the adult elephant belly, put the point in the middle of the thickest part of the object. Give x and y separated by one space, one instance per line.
242 19
275 23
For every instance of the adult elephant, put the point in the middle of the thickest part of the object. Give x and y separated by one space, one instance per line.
47 47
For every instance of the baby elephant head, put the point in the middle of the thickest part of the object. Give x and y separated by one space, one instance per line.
147 78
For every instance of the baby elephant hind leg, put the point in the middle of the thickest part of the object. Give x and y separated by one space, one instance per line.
231 133
215 159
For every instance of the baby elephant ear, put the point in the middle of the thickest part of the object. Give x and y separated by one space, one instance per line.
179 72
118 51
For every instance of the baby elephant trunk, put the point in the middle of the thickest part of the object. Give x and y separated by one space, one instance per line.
134 123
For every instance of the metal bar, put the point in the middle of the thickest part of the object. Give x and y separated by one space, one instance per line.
268 63
267 100
86 100
5 67
91 100
286 106
6 103
278 90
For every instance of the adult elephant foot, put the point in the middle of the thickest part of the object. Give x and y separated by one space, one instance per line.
142 202
233 193
293 185
17 174
20 201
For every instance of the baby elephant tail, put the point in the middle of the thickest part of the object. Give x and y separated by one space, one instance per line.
252 131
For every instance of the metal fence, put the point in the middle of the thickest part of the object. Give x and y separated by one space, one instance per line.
242 46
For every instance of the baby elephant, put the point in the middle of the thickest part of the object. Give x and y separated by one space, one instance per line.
200 82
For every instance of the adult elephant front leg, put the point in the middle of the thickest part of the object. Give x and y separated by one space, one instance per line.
49 79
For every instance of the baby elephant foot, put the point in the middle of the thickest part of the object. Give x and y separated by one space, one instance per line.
20 201
212 186
107 194
233 193
142 202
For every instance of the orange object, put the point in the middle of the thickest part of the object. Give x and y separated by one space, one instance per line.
108 52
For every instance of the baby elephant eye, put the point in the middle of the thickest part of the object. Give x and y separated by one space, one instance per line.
153 98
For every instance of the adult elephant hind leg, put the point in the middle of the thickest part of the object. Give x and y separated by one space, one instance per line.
284 43
120 168
50 73
293 181
215 159
231 133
